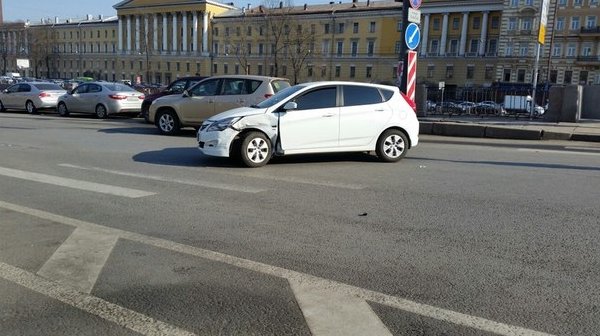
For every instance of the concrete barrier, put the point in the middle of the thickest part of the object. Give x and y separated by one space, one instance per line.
463 130
512 133
549 135
425 127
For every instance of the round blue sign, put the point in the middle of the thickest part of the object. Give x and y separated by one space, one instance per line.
412 36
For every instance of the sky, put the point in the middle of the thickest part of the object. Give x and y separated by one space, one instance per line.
35 10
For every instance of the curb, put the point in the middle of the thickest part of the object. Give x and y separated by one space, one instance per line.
512 133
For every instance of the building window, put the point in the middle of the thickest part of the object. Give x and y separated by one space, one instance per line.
514 3
575 23
577 2
455 23
521 75
526 24
449 71
352 71
340 29
430 70
370 48
524 49
249 31
476 22
506 76
453 47
470 71
557 50
591 22
474 46
568 77
583 77
492 48
340 48
354 47
323 71
586 50
326 28
260 70
495 22
309 71
571 50
337 70
560 23
355 27
436 24
553 76
372 27
512 23
434 46
489 72
369 71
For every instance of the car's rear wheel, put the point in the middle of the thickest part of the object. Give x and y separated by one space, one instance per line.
62 110
255 150
30 107
101 112
392 145
168 123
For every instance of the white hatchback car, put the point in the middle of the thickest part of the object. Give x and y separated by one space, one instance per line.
317 117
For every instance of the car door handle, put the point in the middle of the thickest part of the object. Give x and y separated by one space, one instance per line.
328 115
379 110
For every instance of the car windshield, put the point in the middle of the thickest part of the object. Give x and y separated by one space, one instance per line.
118 87
47 86
279 96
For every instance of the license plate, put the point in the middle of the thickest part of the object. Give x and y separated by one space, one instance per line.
132 98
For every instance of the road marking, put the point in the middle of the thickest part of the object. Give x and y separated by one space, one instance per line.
75 184
549 151
329 313
302 279
79 260
199 183
116 314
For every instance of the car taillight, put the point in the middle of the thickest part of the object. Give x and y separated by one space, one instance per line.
267 95
141 97
44 95
410 102
117 97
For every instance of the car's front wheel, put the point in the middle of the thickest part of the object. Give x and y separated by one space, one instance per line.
101 112
30 107
392 145
255 150
2 108
62 109
168 123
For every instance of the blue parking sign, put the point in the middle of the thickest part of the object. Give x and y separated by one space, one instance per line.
412 36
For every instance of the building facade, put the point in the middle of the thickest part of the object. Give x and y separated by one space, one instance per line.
464 42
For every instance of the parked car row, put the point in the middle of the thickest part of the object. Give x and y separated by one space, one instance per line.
250 118
487 107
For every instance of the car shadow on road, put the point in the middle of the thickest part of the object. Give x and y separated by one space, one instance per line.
182 156
516 164
148 130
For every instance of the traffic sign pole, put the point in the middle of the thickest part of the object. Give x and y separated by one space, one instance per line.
403 48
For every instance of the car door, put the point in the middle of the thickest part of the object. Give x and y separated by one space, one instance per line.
362 115
21 97
91 98
10 97
199 103
233 93
75 99
314 125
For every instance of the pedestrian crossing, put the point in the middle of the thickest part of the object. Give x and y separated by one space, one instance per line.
329 307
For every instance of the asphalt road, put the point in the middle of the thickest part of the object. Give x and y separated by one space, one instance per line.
107 228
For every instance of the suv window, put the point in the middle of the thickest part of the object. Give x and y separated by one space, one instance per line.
361 95
206 88
317 99
177 86
252 85
233 86
279 85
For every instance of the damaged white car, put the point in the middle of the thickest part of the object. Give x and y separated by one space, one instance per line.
318 117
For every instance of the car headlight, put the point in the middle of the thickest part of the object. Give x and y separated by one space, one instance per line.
222 124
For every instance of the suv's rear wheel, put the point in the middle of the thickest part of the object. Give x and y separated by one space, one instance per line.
168 123
392 145
255 150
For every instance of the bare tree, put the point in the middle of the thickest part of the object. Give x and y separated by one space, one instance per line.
300 45
40 47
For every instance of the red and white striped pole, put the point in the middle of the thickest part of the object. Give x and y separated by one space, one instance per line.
411 76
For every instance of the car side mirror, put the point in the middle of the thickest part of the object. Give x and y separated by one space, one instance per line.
290 106
185 93
5 91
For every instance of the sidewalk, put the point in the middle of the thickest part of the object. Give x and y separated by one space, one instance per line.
510 128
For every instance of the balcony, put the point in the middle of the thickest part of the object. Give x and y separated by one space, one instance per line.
588 60
590 30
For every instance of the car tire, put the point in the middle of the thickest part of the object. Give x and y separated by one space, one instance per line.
392 145
62 109
168 122
101 112
2 108
30 107
255 150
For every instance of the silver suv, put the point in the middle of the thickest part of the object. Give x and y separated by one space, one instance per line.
209 97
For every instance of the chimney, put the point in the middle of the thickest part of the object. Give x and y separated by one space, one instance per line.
305 6
101 17
1 18
280 4
368 3
89 17
248 5
56 20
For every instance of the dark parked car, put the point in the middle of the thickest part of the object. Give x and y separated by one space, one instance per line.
176 87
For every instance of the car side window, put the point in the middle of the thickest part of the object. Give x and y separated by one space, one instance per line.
317 99
14 88
24 88
206 88
361 95
252 85
81 89
178 86
233 86
93 88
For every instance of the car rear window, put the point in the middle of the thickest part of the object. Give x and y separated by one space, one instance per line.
361 95
279 85
387 94
118 87
47 86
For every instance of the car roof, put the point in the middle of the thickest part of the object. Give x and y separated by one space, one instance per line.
257 77
323 83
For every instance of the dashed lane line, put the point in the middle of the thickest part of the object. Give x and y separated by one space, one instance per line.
301 279
549 151
79 260
333 314
199 183
75 184
121 316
